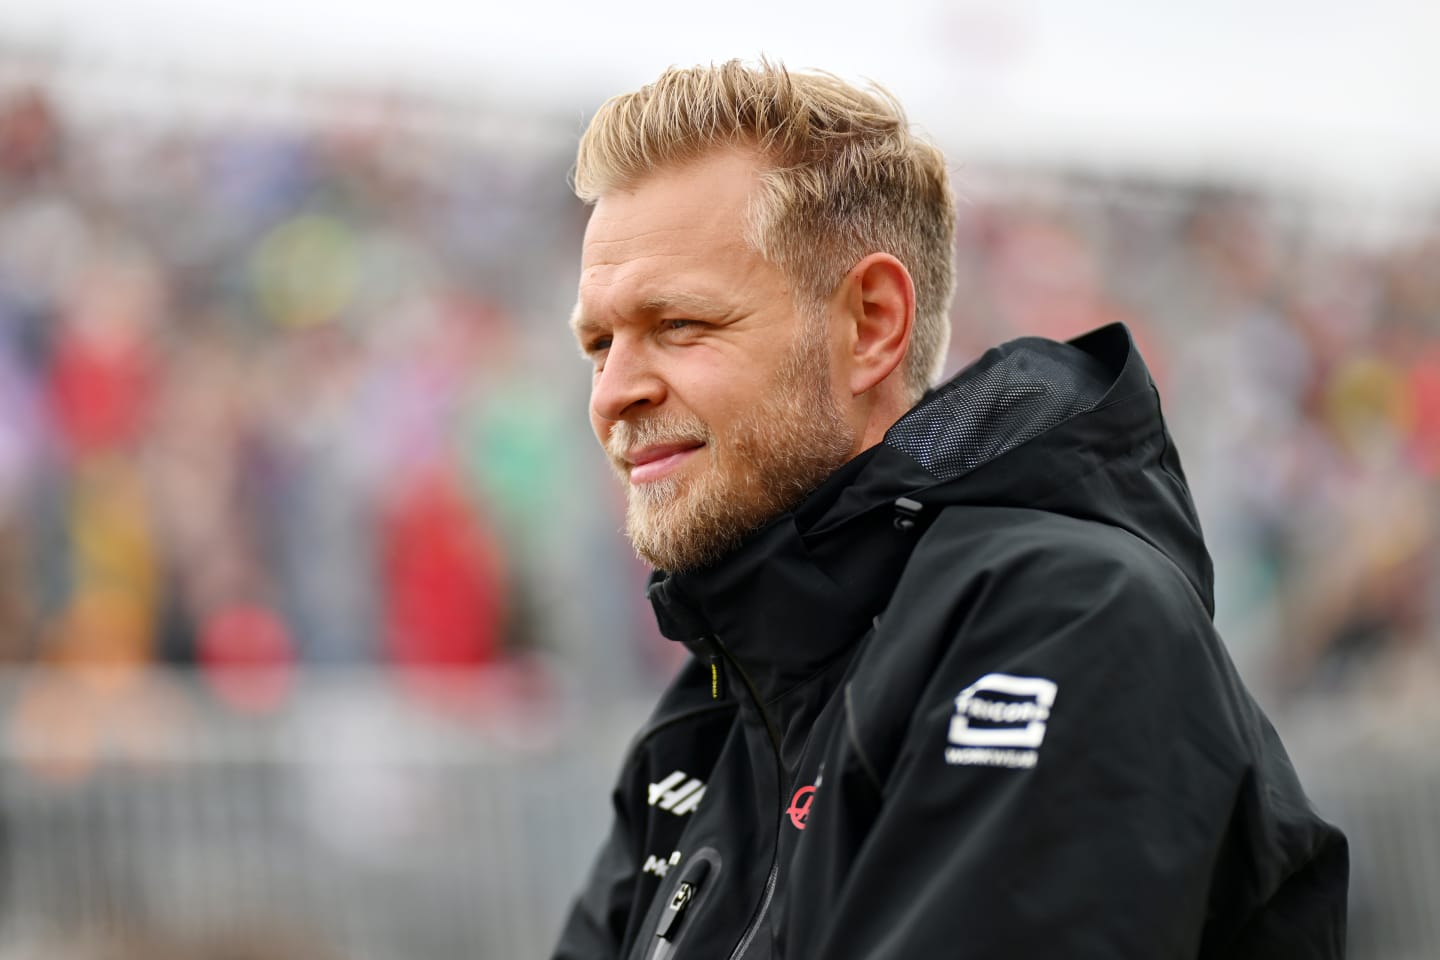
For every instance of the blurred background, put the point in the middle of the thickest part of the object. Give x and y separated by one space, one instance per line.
319 635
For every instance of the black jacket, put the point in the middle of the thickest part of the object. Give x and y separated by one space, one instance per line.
967 701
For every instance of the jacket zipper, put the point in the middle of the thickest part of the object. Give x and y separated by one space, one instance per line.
770 881
754 928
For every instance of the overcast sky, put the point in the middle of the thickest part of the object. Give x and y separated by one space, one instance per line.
1344 93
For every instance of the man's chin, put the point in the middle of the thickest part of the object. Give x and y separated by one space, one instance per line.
654 496
678 537
674 554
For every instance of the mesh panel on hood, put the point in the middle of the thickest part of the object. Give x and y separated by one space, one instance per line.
991 409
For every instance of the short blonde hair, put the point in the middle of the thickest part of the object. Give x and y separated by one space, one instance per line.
845 177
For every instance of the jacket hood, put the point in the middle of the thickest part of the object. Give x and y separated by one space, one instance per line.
1071 428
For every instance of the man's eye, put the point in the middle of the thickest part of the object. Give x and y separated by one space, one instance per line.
598 345
677 323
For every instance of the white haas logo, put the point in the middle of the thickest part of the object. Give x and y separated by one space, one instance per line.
678 793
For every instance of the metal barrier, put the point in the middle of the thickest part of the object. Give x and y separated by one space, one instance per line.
371 820
1372 767
359 822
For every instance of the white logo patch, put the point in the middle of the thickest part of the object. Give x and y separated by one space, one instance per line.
679 793
999 721
659 866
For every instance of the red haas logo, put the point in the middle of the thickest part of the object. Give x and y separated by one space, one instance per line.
800 806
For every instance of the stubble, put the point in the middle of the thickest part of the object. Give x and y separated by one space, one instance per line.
760 466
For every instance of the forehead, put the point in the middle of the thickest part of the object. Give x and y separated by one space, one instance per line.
679 226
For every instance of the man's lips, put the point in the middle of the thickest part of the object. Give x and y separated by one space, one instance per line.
651 463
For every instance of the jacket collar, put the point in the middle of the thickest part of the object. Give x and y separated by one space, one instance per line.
804 588
791 599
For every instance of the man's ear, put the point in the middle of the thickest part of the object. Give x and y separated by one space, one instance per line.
880 313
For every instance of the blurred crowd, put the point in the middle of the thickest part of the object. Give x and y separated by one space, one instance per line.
1296 346
282 395
302 394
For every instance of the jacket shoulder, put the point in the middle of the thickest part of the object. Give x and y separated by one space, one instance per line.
1082 605
679 741
977 565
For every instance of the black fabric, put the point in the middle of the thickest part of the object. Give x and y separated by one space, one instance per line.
1007 399
865 680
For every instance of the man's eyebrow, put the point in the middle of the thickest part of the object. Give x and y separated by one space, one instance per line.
685 303
579 325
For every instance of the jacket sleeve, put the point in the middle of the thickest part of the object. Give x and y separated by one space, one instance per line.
596 925
1079 766
685 730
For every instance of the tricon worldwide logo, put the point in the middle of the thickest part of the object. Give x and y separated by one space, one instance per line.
1000 721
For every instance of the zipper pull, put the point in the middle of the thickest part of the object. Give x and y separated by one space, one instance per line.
675 910
674 913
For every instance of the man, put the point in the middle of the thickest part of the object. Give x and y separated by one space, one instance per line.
954 690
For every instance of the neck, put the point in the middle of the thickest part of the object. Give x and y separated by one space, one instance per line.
885 408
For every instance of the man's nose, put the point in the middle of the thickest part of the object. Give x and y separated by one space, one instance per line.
626 381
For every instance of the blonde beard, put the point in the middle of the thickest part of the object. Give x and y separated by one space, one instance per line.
770 460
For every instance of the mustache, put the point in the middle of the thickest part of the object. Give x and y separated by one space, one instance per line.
628 435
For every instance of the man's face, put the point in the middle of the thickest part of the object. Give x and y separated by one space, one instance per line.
711 393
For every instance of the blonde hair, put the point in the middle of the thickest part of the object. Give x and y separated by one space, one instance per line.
844 177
